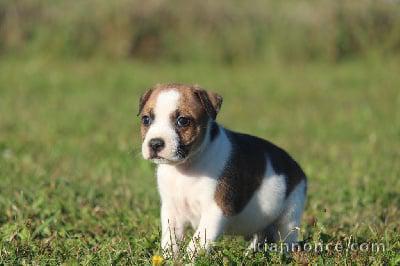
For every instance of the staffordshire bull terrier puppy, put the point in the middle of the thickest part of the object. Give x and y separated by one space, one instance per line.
214 179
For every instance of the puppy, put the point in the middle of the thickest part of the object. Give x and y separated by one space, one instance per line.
216 180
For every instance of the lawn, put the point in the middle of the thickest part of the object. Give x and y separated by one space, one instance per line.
75 189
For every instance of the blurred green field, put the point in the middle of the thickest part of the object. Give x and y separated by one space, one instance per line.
75 189
224 31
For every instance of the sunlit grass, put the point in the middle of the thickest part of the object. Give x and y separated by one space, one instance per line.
74 187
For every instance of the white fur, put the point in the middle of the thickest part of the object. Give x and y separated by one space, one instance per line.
188 198
161 127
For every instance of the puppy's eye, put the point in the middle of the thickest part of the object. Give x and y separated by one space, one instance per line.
183 121
146 120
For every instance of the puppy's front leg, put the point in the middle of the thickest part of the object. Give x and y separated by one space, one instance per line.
212 225
172 231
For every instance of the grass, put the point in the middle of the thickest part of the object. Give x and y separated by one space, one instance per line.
74 188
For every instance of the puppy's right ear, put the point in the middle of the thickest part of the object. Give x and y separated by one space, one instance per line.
143 100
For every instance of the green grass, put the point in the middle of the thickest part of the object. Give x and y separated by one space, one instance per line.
75 189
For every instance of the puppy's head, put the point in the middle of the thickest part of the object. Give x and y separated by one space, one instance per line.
175 119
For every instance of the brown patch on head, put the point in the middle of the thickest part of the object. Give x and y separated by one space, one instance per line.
143 100
191 136
195 104
246 168
199 106
146 105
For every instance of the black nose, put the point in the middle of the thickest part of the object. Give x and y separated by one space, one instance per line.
157 144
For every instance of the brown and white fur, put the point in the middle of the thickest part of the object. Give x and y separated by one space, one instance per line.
214 179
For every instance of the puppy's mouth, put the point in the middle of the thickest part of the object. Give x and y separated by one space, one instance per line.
180 156
162 160
155 158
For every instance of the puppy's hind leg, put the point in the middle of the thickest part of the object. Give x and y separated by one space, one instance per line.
260 239
288 224
256 243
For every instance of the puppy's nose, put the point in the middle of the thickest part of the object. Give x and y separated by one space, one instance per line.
156 144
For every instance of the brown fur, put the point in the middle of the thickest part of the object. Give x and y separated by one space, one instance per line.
146 106
190 106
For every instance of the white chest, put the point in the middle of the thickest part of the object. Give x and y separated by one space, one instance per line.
187 197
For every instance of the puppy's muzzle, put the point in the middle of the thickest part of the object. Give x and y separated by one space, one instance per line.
156 145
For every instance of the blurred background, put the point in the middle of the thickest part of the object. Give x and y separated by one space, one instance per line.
319 78
224 31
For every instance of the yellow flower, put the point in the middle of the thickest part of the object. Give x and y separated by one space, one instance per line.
157 260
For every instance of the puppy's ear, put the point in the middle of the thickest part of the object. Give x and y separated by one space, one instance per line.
143 100
210 101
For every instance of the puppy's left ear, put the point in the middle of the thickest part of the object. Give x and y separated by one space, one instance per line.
143 100
210 101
